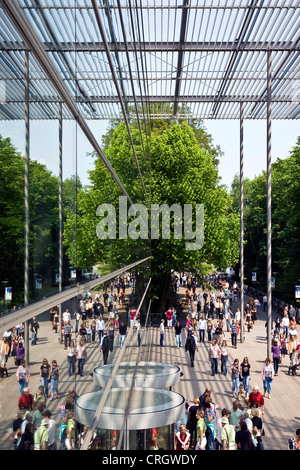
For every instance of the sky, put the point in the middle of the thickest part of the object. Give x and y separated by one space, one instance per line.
44 144
227 135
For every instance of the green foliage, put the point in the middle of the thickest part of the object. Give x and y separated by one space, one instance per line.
43 221
182 172
285 224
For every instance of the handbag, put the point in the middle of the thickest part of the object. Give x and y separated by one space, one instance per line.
197 447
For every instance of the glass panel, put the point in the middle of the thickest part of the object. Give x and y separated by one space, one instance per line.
12 151
44 208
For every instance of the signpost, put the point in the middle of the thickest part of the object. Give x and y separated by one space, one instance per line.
8 294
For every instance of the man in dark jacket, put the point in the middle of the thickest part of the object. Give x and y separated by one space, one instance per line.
104 346
122 334
191 346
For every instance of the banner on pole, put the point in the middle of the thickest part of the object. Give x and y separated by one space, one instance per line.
8 294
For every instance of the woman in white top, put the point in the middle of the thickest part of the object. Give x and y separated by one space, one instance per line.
224 357
285 325
100 327
267 374
71 357
88 333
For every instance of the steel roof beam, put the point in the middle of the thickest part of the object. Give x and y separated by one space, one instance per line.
171 46
22 25
235 57
180 53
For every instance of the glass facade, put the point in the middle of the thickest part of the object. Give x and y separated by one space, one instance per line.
79 103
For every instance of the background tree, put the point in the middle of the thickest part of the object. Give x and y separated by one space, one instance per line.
285 225
44 223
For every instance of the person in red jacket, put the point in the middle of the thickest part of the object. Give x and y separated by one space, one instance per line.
26 400
256 399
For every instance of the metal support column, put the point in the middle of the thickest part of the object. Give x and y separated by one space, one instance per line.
60 208
242 219
26 197
60 202
269 194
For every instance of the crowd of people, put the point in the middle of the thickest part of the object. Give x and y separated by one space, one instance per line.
237 428
34 426
209 316
242 426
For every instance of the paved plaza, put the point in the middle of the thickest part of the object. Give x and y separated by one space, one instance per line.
282 414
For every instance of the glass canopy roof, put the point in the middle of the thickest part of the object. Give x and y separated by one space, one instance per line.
150 407
144 374
157 58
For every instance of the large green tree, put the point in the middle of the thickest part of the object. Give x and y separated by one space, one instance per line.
181 172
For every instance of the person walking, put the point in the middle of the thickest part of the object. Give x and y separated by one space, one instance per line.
235 414
54 376
276 355
192 422
234 333
41 436
71 432
243 437
34 326
67 333
202 325
93 329
81 356
20 353
224 357
104 346
88 333
256 400
4 353
122 334
210 422
162 332
267 374
138 332
214 356
285 324
100 327
51 430
191 346
245 371
39 397
45 375
71 358
235 377
243 398
200 428
182 438
178 334
227 435
26 400
209 327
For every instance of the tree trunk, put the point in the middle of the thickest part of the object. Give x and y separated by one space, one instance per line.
160 292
